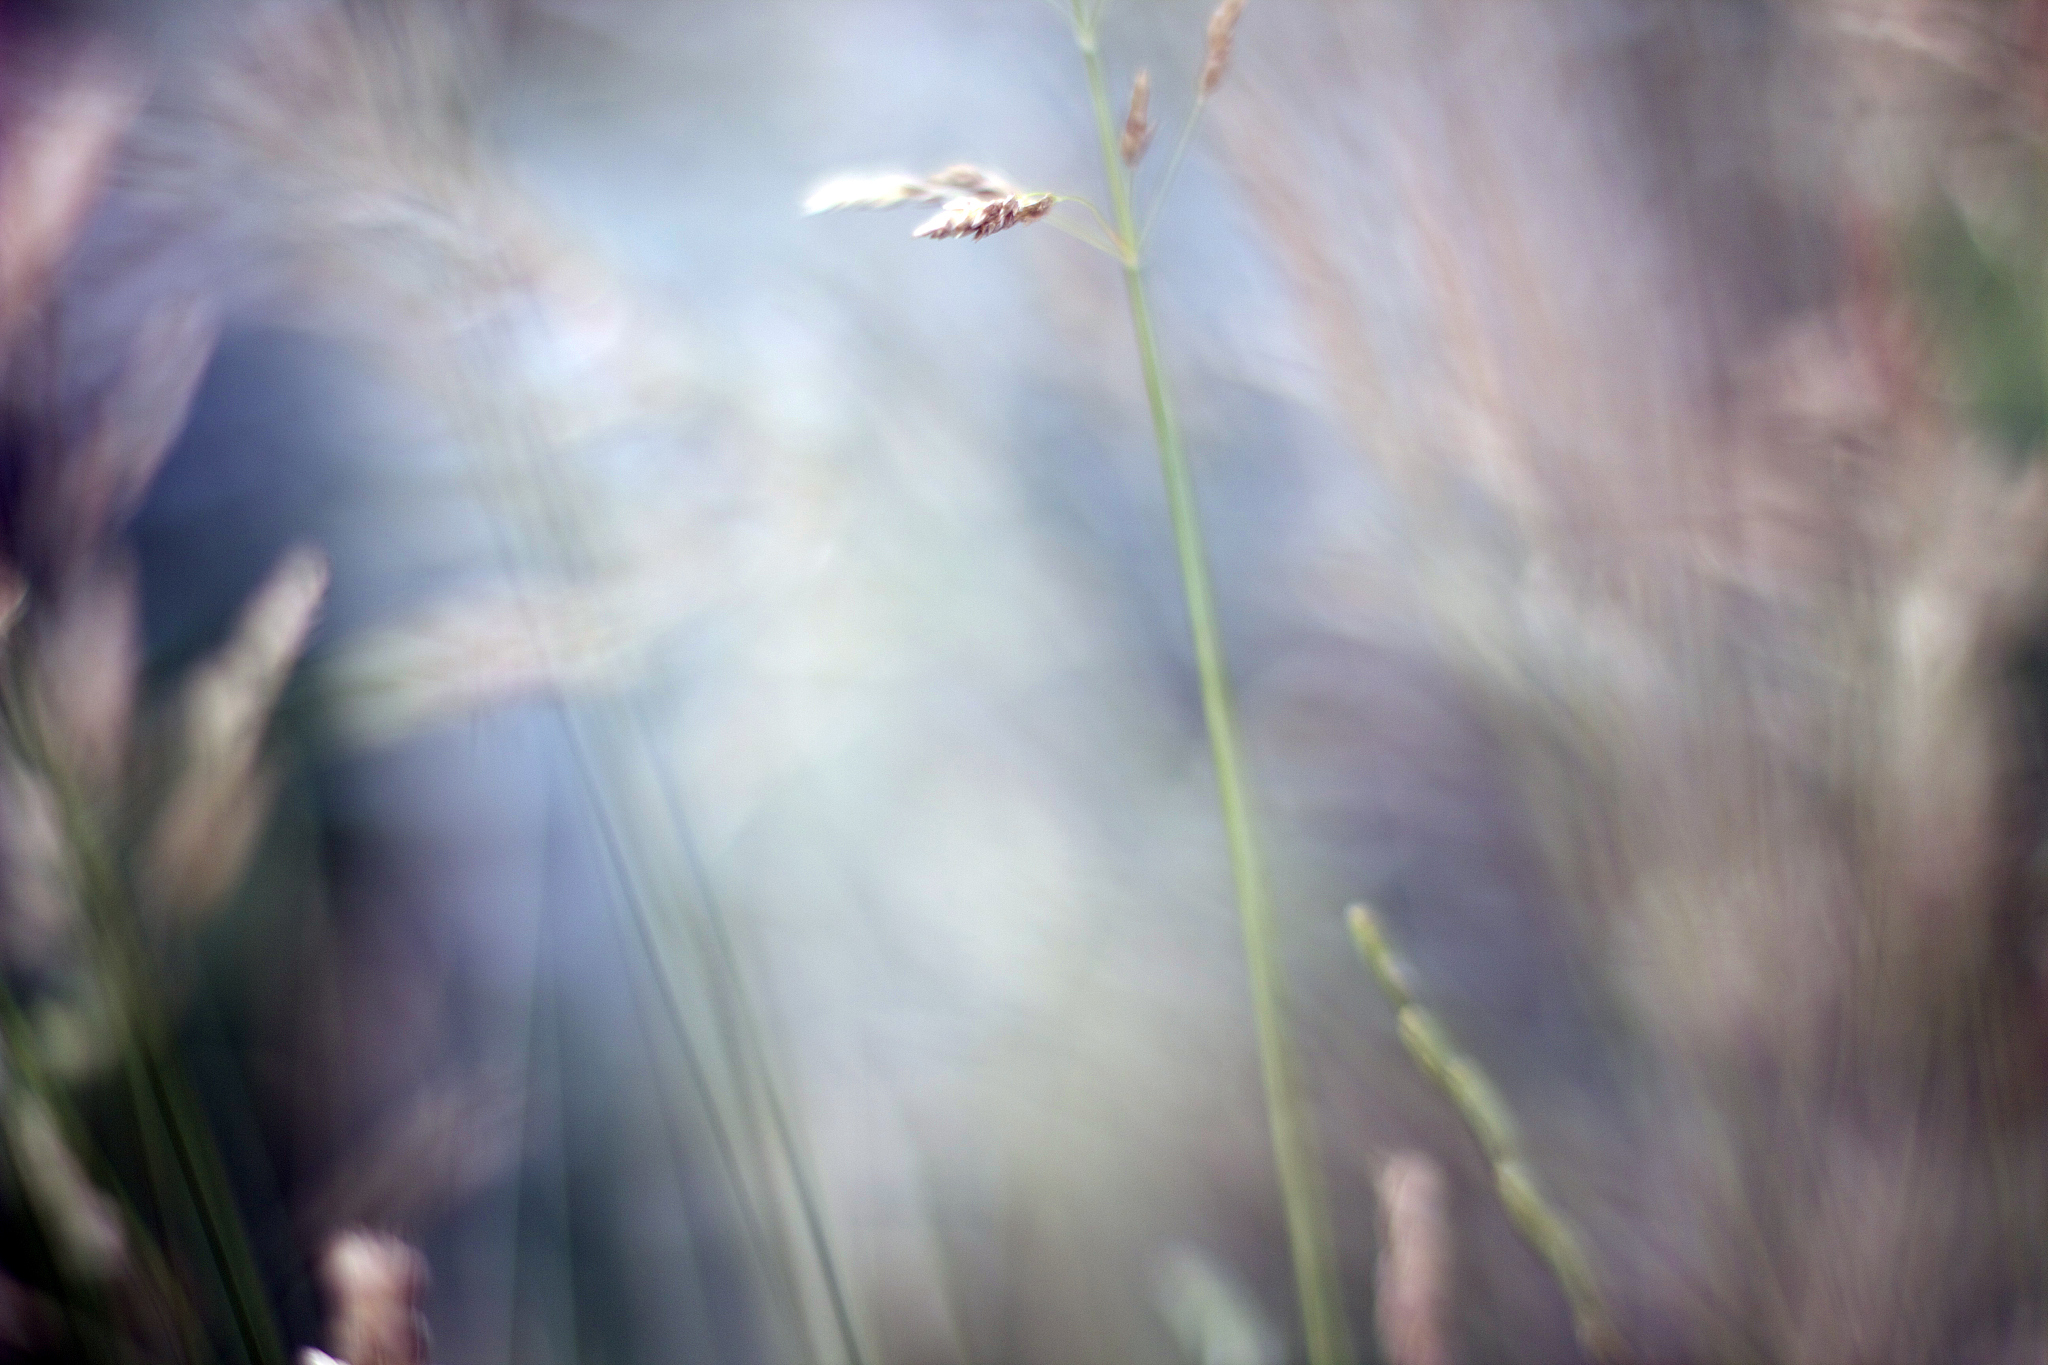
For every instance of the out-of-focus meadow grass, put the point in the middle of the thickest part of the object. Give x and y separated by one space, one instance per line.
597 769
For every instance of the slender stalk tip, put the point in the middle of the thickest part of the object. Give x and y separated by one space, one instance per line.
1372 945
1289 1113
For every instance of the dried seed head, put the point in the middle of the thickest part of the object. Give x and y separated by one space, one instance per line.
869 192
50 170
87 656
975 202
457 1138
1137 123
978 217
373 1283
215 808
1222 28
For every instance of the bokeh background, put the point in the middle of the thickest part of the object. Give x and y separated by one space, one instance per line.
614 772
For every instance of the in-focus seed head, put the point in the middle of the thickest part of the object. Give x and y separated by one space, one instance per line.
978 217
975 202
1222 28
1137 123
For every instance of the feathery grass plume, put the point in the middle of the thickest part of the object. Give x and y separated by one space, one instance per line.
450 1143
1486 1114
81 449
475 652
1765 715
217 803
1138 125
1412 1298
1216 56
51 164
371 1283
132 424
84 661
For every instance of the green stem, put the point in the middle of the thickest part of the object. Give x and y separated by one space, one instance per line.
1293 1127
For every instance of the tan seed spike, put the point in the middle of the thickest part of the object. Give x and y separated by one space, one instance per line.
1222 28
1138 123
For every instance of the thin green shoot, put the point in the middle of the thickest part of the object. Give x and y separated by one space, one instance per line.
1289 1115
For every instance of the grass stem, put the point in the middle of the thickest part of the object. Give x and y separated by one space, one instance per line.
1292 1122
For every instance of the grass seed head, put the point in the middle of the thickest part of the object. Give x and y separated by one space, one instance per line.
978 217
1222 28
214 811
373 1283
1138 126
975 202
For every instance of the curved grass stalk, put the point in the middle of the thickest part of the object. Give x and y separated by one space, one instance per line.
1290 1118
1539 1221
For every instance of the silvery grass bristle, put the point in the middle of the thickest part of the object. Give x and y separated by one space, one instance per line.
1288 1107
1486 1114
